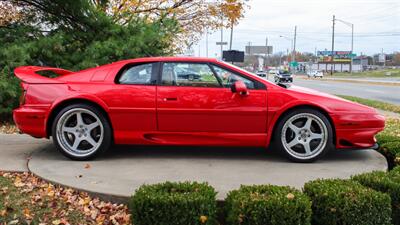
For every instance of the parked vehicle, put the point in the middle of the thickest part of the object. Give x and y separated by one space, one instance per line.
272 72
261 73
283 76
146 102
315 74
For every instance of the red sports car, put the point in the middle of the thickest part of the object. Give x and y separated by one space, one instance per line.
186 101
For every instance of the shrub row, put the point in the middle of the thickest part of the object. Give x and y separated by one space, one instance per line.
330 201
347 202
389 141
387 183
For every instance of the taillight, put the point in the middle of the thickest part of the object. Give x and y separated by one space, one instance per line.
24 87
22 98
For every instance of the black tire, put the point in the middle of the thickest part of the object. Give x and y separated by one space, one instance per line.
278 142
103 144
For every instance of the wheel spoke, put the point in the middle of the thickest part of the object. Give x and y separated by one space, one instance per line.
307 125
79 119
93 125
76 143
91 141
307 148
293 143
316 136
294 128
71 130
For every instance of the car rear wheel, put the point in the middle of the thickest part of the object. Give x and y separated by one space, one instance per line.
81 132
304 135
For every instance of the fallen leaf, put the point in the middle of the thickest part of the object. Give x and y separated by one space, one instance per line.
3 213
87 166
290 196
13 222
203 219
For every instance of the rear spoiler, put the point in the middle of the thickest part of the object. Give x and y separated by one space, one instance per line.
28 74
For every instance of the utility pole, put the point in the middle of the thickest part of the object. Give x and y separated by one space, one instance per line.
315 54
352 45
333 43
266 54
249 48
207 43
230 42
294 44
222 39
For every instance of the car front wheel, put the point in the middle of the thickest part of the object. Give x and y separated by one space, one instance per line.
81 132
304 135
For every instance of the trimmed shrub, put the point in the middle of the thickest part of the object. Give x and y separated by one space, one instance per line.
336 201
173 203
267 205
395 172
392 148
384 182
385 138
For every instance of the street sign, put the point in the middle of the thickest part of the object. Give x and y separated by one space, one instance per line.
294 64
222 43
254 49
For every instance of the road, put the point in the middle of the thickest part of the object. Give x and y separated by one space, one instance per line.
390 94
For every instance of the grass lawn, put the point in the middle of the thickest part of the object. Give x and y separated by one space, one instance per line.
26 199
373 103
373 73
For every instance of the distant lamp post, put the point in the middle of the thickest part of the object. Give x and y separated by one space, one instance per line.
352 40
291 45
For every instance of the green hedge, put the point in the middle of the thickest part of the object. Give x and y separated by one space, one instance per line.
384 182
174 204
267 205
336 201
389 141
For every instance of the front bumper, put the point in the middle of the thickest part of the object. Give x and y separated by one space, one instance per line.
31 120
358 130
286 79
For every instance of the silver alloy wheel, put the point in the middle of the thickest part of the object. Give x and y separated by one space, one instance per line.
80 132
304 136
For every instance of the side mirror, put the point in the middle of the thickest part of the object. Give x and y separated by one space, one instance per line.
240 88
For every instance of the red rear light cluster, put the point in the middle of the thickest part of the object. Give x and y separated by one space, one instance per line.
23 95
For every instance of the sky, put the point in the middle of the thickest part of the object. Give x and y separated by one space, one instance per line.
376 26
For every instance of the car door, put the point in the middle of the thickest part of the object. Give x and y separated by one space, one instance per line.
196 97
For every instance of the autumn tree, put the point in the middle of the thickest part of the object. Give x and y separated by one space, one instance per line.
193 16
8 14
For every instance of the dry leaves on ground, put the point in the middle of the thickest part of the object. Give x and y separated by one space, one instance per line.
95 210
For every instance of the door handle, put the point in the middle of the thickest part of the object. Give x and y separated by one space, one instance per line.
170 99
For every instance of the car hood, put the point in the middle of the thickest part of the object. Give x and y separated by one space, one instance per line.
332 102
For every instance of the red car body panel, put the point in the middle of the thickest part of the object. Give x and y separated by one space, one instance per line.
177 115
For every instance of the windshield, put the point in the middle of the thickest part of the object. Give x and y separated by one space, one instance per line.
283 72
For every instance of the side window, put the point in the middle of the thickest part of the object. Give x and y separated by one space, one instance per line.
228 78
189 74
137 74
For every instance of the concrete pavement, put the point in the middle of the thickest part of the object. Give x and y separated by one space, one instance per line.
122 170
15 149
115 175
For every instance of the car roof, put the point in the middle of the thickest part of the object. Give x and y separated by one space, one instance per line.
170 59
